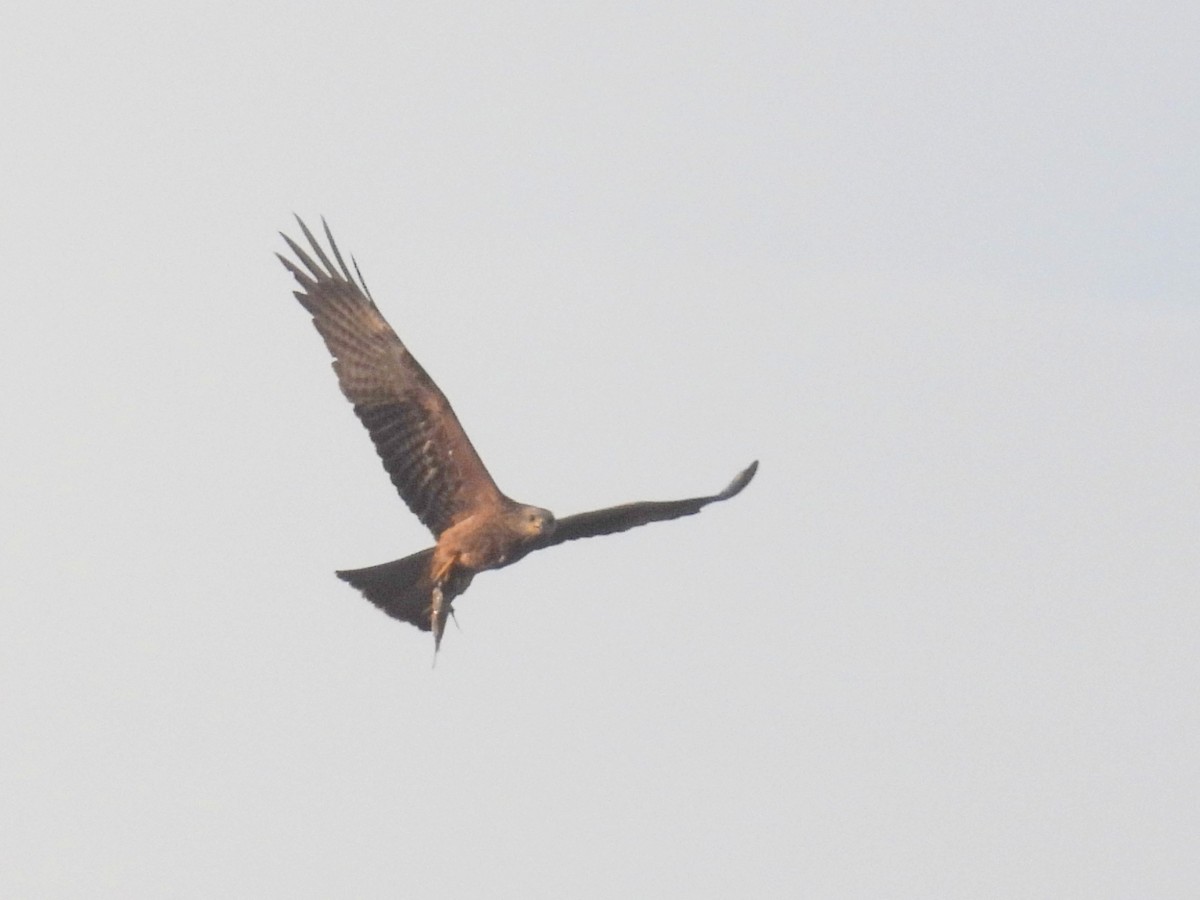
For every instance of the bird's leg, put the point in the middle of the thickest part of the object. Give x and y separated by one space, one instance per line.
441 569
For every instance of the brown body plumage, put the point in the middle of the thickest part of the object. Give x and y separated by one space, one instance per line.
430 459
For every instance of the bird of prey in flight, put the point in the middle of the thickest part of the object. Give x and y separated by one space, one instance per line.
431 461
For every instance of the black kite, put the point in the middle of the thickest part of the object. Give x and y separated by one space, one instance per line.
432 462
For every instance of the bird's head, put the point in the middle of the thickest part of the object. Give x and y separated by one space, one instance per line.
535 522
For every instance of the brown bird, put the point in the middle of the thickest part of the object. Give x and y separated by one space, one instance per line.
431 461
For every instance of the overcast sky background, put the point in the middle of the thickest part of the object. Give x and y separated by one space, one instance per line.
937 265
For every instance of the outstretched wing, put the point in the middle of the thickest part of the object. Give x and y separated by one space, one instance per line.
631 515
423 447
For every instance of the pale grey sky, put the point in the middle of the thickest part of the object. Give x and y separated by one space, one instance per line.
936 265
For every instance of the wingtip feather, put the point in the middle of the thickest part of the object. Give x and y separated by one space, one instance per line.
739 483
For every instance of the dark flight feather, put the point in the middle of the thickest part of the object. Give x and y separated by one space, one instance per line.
424 449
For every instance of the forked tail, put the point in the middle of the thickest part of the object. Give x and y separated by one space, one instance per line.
401 588
404 590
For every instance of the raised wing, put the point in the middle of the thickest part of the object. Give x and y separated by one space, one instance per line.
631 515
423 447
